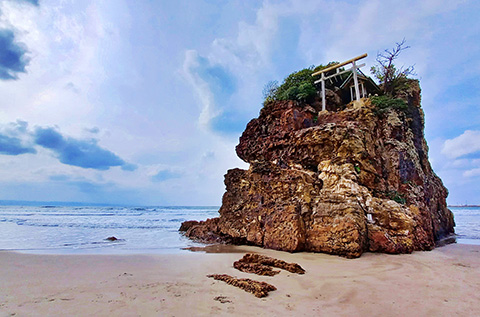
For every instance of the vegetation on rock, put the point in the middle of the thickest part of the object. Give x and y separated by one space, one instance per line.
397 197
296 86
299 85
385 103
392 79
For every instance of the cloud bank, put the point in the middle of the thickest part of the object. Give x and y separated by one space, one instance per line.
13 146
68 150
81 153
12 139
13 59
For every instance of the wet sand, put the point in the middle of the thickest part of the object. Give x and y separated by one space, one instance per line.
442 282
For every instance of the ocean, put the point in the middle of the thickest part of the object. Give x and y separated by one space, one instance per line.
84 229
467 224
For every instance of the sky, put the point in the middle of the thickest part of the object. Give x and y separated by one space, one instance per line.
142 102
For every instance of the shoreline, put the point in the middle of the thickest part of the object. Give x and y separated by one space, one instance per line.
196 247
443 281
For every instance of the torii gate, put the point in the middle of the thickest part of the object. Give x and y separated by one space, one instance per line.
353 70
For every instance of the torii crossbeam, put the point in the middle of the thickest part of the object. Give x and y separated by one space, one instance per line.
337 67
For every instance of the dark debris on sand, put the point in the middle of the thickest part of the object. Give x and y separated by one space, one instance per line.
255 268
259 289
222 299
261 265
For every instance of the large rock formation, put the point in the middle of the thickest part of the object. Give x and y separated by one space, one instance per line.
341 182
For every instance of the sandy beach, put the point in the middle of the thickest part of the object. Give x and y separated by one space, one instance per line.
443 282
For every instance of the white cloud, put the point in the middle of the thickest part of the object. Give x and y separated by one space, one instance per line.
461 163
472 173
466 143
201 88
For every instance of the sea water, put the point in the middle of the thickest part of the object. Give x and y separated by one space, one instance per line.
467 224
84 229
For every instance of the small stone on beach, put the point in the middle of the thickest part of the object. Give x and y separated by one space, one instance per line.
222 299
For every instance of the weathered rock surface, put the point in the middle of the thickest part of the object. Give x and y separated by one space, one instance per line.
341 182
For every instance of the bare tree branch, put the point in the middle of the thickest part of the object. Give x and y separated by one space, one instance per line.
385 70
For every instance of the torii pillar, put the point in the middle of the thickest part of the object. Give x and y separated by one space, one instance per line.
337 66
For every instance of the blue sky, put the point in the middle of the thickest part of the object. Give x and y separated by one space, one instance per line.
142 102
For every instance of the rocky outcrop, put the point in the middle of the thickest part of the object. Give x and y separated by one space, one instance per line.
341 182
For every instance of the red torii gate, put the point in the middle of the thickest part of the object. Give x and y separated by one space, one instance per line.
353 69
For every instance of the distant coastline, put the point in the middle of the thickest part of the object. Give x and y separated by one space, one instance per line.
465 206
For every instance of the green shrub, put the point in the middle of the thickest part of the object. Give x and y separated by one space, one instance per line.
289 94
296 86
384 103
306 91
396 196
